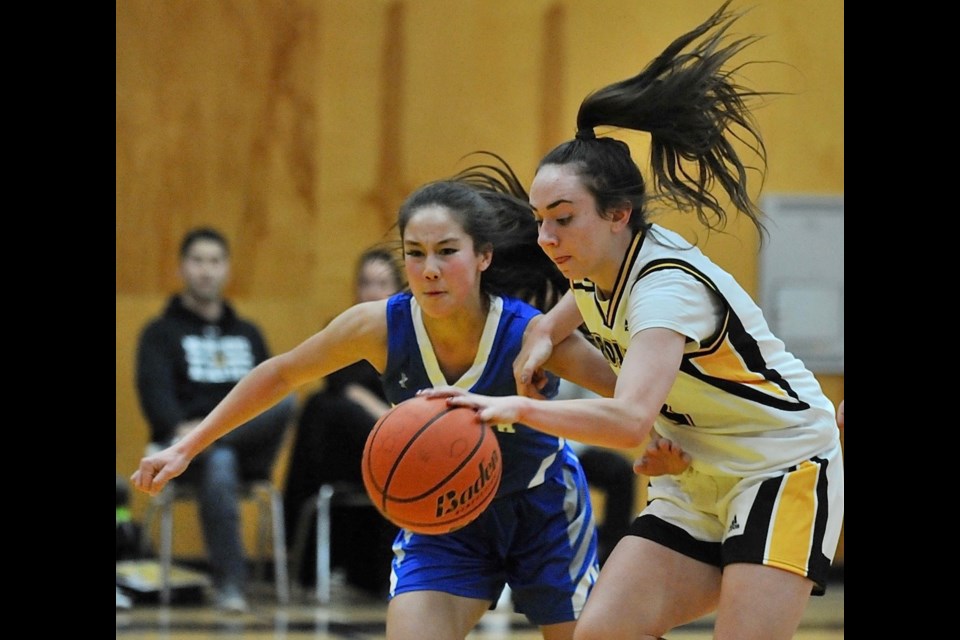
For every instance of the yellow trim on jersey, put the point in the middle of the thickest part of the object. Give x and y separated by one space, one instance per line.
620 285
726 363
717 357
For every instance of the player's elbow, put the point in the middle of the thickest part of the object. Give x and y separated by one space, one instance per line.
632 438
635 431
278 375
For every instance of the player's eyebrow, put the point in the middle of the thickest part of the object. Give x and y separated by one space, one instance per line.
554 204
442 241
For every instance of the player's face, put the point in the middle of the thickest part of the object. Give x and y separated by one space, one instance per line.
572 233
205 269
442 265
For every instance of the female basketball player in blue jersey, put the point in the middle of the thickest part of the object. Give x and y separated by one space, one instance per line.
750 529
467 243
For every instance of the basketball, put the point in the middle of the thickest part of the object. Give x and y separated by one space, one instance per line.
429 467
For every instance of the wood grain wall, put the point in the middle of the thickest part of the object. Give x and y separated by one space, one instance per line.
298 126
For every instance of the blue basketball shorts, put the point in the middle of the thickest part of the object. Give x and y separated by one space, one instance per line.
541 541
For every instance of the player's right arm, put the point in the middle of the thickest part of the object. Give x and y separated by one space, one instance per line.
542 333
576 359
358 333
624 421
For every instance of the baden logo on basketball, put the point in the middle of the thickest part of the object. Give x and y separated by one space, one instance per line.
452 500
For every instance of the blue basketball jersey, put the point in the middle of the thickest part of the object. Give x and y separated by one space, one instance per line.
529 456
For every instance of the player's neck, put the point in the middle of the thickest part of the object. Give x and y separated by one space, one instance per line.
210 310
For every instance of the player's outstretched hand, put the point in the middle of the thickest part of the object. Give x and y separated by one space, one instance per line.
528 365
158 469
663 457
491 409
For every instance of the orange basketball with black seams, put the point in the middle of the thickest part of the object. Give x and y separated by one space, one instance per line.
431 468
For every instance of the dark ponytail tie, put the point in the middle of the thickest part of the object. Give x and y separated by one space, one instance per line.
586 134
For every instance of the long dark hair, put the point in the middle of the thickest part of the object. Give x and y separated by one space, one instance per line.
694 111
492 207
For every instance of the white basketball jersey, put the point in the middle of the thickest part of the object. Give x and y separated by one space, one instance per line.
741 403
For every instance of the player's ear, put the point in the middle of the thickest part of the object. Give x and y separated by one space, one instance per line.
620 215
486 256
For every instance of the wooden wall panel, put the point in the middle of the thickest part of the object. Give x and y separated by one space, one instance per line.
215 124
467 86
298 126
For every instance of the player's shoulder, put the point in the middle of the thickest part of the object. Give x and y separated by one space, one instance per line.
400 300
371 311
519 308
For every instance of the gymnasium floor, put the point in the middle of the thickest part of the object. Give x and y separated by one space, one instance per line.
354 616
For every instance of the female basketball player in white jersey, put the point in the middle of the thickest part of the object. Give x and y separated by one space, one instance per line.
750 529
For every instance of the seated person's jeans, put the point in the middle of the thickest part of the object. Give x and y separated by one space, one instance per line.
249 452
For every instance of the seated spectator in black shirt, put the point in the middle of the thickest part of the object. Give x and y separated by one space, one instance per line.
188 359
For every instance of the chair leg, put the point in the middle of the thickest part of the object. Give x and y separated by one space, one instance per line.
262 497
305 518
324 498
147 531
279 548
166 549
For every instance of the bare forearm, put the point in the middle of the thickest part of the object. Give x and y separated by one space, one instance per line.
577 360
601 422
558 323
